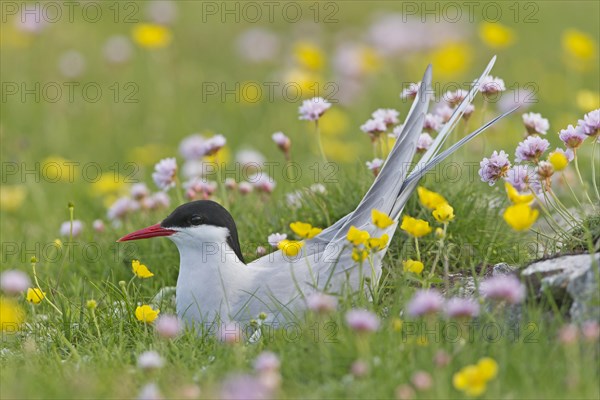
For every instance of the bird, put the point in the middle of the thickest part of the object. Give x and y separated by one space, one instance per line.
215 285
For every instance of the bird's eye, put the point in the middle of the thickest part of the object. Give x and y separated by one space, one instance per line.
196 219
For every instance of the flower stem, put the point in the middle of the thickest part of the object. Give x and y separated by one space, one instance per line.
594 182
583 185
417 249
320 142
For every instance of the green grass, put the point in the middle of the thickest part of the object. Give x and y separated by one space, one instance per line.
66 356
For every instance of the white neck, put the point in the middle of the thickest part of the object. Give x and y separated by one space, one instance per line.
210 274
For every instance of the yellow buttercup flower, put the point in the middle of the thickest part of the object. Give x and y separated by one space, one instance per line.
108 184
304 230
356 236
579 45
488 368
35 295
290 248
380 219
152 36
415 227
377 244
91 304
140 270
587 100
473 379
307 81
11 197
359 255
496 35
520 216
309 55
58 169
429 199
146 313
416 267
558 160
334 122
452 59
11 315
444 213
515 197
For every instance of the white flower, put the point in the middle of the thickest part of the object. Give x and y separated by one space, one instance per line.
312 109
294 199
65 228
275 238
150 360
14 282
318 188
118 49
150 391
194 168
165 173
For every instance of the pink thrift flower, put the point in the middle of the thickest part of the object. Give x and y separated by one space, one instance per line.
424 142
313 109
193 147
121 207
387 115
375 165
455 98
65 228
14 282
572 137
503 288
245 188
590 124
244 387
444 112
164 174
422 380
98 225
531 149
425 302
490 85
493 168
362 321
359 369
432 122
411 91
282 141
535 123
590 331
266 362
168 326
214 144
275 238
261 251
461 308
139 191
321 303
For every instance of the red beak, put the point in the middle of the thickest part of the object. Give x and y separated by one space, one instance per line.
149 232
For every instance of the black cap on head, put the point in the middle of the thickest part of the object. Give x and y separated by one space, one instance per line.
205 212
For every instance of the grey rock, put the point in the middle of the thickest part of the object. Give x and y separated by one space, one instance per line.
571 280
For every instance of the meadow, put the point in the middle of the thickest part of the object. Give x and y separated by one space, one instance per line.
96 94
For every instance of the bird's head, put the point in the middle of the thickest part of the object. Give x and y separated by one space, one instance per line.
194 224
